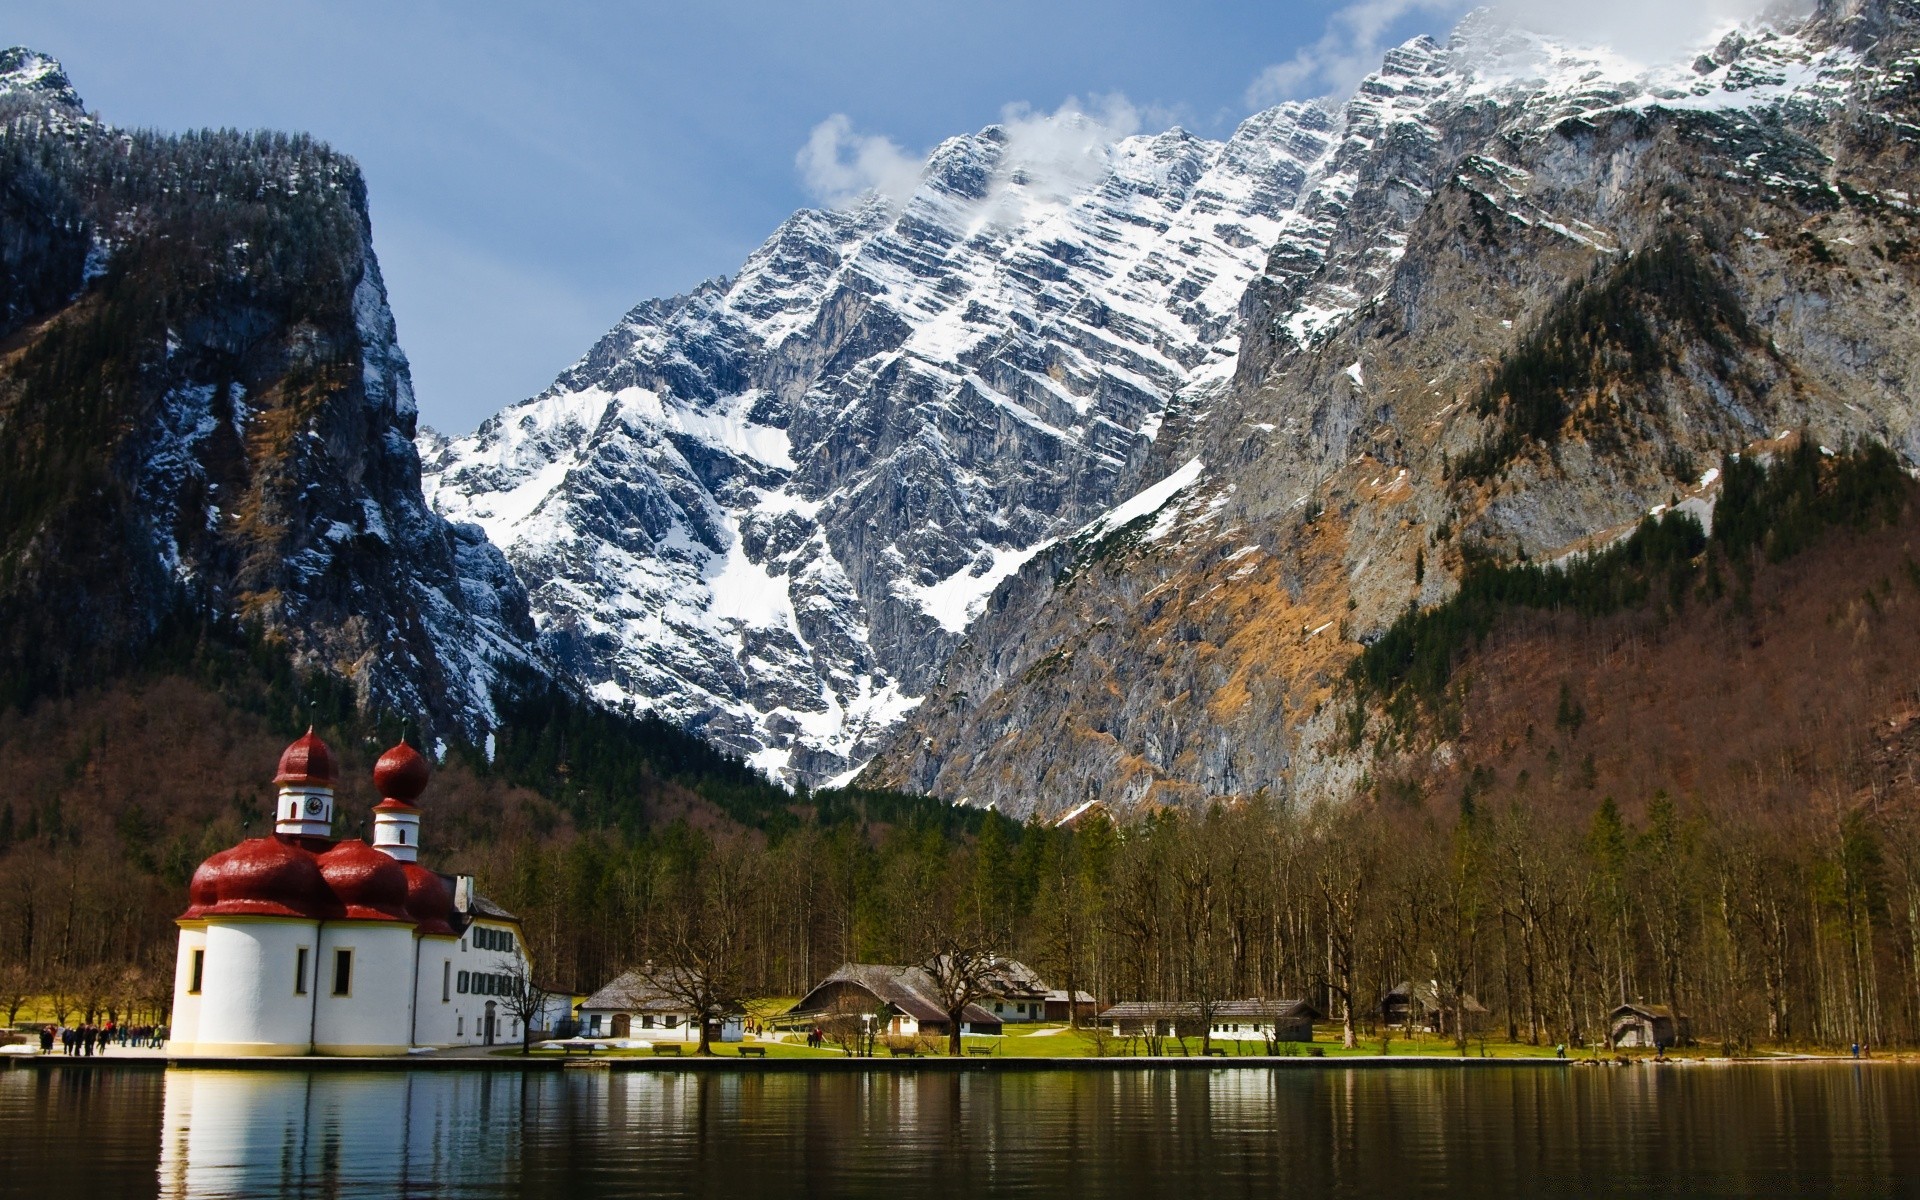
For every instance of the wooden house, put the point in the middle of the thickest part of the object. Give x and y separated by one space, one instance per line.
1424 1006
1644 1026
1062 1007
904 1001
1255 1019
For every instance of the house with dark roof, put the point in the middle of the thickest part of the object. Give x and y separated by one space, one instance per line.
1015 992
1641 1025
1426 1007
1254 1019
634 1007
903 1002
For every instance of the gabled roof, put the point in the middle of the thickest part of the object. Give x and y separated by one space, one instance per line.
633 992
483 907
909 990
1011 979
1252 1009
1656 1011
1428 996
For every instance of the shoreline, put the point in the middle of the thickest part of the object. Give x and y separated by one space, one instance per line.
936 1065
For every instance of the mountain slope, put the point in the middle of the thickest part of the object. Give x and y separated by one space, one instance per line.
770 509
203 409
1545 291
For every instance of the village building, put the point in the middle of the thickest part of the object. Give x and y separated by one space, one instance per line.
1648 1026
1014 992
1255 1019
901 1001
1423 1006
1062 1005
297 943
632 1007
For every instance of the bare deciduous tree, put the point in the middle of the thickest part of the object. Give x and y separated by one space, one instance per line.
525 1000
961 970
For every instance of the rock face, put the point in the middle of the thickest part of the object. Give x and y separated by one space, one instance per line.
770 510
1527 294
205 412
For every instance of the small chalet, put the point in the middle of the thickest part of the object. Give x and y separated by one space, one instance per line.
904 1001
1423 1006
1252 1020
1064 1006
1014 992
632 1007
1654 1026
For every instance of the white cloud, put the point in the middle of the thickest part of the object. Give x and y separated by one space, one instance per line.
1645 31
1350 47
1047 156
839 166
1059 152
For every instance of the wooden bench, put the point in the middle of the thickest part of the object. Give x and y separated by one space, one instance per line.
1316 1052
583 1046
753 1052
1216 1052
980 1050
666 1048
903 1051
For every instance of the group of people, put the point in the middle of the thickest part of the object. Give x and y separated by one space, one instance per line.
92 1039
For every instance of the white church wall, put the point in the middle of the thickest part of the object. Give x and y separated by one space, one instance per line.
433 997
249 1002
184 1024
373 1016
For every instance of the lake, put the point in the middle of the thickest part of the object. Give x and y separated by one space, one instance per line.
1828 1129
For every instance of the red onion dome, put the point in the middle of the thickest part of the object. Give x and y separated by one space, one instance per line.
401 774
307 761
261 877
367 884
429 899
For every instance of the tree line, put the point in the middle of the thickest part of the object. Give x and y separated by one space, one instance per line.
1768 929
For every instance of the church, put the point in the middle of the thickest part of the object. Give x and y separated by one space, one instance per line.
299 944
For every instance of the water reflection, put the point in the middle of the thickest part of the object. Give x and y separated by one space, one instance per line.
1508 1132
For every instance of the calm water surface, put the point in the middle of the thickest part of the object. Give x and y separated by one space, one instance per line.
1705 1131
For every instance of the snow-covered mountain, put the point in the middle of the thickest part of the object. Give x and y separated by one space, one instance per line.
774 509
770 509
1533 294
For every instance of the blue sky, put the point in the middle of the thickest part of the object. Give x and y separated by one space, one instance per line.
535 170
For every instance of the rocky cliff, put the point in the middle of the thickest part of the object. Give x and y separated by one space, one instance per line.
771 509
205 415
1528 294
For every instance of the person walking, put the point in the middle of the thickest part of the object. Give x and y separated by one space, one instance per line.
46 1039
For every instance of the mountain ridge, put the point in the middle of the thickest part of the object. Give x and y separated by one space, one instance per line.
824 464
205 406
1452 414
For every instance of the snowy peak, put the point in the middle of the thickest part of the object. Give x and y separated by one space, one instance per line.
25 72
770 509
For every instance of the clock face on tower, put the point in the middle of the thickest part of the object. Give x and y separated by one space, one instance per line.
313 806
